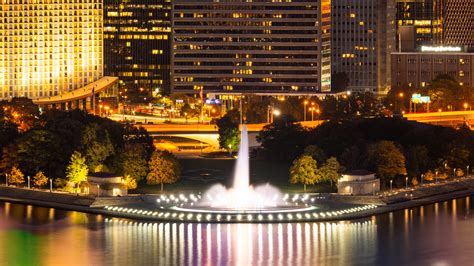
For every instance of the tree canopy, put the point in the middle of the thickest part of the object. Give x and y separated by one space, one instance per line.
164 168
304 171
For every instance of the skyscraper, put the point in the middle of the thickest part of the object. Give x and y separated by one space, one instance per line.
363 36
423 16
458 22
49 47
251 46
137 43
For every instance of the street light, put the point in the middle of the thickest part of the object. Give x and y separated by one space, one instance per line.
304 108
467 170
50 185
391 181
436 177
465 106
454 173
6 180
422 177
230 150
28 182
406 183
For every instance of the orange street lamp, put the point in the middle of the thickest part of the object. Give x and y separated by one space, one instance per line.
465 106
401 94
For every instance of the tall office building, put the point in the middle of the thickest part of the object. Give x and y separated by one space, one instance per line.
251 46
49 47
137 43
444 22
458 22
363 36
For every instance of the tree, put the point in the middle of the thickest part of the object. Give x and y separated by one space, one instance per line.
386 160
16 177
40 179
228 129
130 182
331 170
282 140
317 153
164 168
417 160
77 170
133 164
459 172
96 146
38 149
429 176
305 171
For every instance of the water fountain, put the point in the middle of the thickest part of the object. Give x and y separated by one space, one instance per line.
240 203
243 197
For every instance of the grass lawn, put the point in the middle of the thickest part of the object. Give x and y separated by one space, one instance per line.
199 174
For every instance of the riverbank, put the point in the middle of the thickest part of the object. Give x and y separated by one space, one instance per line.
334 207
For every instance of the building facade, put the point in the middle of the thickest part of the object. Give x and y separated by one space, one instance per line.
251 46
137 44
441 22
49 47
424 17
458 22
363 36
417 69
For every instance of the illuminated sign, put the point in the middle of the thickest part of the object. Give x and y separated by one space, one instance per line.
417 98
213 101
441 48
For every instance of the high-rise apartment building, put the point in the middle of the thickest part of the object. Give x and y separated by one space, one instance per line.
363 36
137 43
49 47
251 46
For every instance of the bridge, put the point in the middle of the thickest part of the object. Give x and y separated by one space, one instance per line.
207 133
83 98
452 119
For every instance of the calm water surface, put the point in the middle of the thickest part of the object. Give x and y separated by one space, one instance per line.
438 234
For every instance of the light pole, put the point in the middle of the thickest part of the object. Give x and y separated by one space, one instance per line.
230 150
6 180
312 113
50 185
406 183
304 108
391 181
422 177
373 189
98 190
28 182
436 177
467 170
454 173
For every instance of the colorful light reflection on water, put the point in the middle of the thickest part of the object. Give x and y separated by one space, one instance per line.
435 234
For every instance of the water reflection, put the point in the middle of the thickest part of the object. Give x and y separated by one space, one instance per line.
438 233
240 244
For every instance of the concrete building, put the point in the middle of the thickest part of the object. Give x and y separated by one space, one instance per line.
137 44
49 47
251 46
363 36
103 184
358 182
417 69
